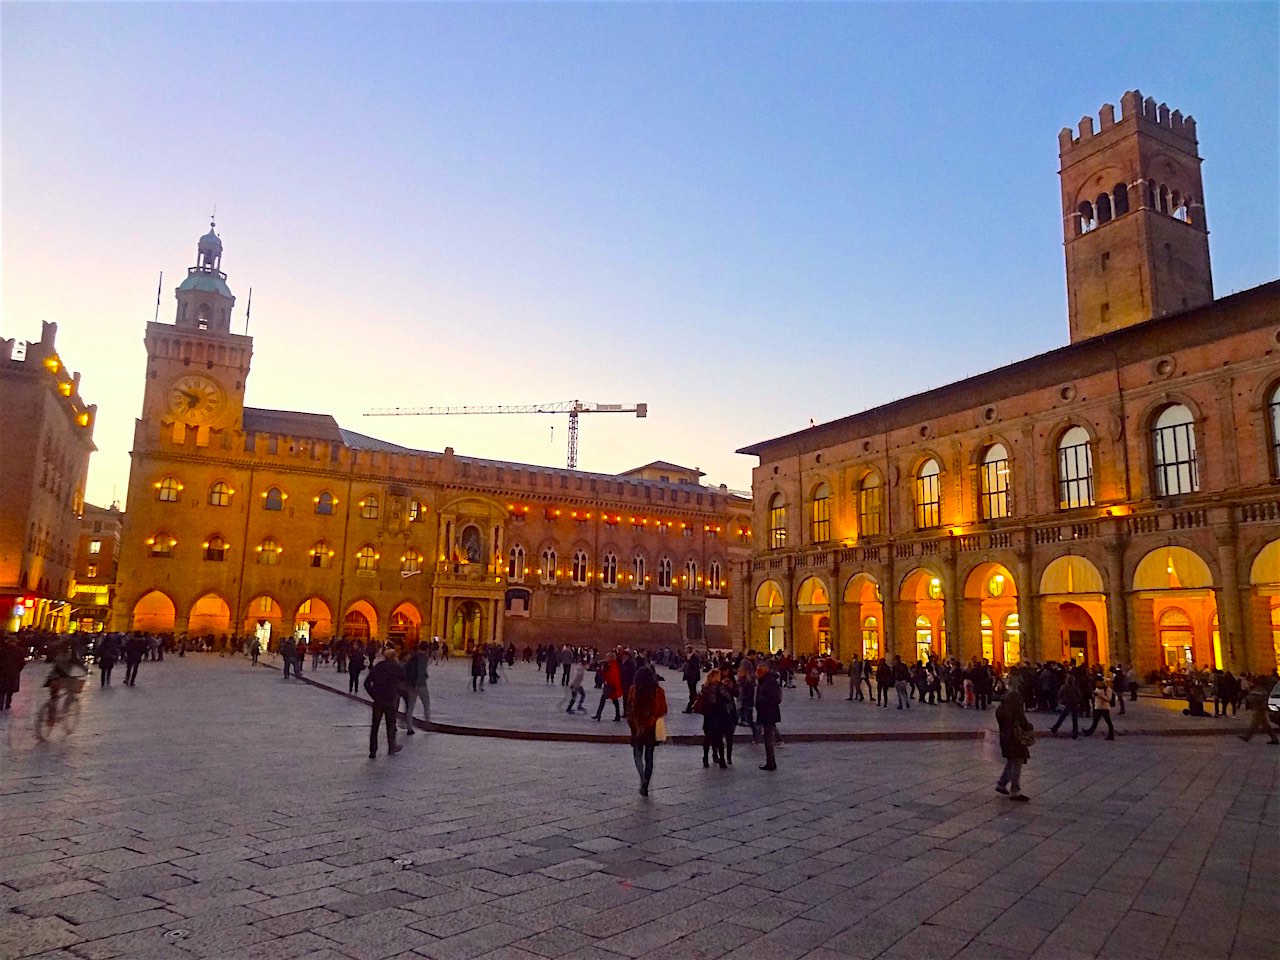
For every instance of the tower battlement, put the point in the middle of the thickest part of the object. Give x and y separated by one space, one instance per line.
1132 107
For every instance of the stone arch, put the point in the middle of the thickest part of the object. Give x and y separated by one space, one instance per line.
1172 568
1265 569
264 618
768 618
1174 578
862 618
1071 574
989 613
1263 610
360 621
1154 407
153 612
405 624
769 597
813 607
314 619
921 601
210 616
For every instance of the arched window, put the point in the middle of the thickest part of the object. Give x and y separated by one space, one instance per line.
369 507
321 555
715 583
1162 199
515 564
269 551
410 563
1087 222
215 549
168 490
870 506
548 572
1182 208
1151 194
415 511
273 499
220 495
1012 641
664 573
1173 452
367 561
1120 199
638 578
871 638
691 575
820 515
929 495
924 638
609 570
1104 208
162 545
777 522
579 573
995 482
324 504
1274 408
1075 469
1176 639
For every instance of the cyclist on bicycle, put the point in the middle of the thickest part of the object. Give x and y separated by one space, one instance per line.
65 677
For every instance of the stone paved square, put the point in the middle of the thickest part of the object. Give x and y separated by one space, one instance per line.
217 811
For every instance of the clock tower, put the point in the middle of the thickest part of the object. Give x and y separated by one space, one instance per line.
196 367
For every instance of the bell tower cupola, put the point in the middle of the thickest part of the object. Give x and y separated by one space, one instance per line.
205 301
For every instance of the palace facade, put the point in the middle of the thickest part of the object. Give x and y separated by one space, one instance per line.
1114 500
268 522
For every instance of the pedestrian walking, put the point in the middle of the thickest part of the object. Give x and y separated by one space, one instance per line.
1256 703
415 687
1016 736
611 688
1101 709
711 704
646 708
901 677
747 699
692 675
255 651
577 680
108 654
135 648
768 710
477 670
1069 697
384 685
812 677
287 650
551 662
355 666
13 657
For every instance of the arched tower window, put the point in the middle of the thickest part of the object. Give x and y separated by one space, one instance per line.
548 572
995 482
324 504
715 581
1162 199
168 490
1273 408
1120 199
820 518
515 564
691 574
215 549
220 495
1075 469
609 570
929 495
580 571
664 573
777 522
273 499
269 551
1087 221
1104 208
1173 452
638 577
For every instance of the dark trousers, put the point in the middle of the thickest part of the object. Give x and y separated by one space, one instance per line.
747 717
693 694
770 738
576 693
713 744
383 713
6 701
643 754
477 683
353 685
255 659
131 671
551 674
1099 715
617 711
1075 721
288 665
882 694
564 676
104 669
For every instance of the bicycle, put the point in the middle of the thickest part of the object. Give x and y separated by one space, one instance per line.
59 716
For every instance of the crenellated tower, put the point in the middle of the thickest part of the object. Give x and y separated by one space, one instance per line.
1135 236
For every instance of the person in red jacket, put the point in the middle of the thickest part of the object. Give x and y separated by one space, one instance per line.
612 688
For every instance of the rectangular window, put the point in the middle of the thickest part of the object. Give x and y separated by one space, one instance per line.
95 547
91 572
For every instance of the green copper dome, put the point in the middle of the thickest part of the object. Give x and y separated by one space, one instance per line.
205 283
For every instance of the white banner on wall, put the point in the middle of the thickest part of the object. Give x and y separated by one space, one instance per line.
664 610
717 614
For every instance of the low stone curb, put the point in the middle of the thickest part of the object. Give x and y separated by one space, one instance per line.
552 736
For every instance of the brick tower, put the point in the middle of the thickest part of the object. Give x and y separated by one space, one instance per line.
1137 245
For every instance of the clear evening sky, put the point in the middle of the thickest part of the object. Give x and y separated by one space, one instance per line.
745 215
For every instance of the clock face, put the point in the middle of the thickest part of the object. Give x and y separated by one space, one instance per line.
195 399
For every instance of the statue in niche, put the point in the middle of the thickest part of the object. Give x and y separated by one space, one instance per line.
471 546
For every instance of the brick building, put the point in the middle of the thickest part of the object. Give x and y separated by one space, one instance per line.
253 521
97 559
46 437
1114 500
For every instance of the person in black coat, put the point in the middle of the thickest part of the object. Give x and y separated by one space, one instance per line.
1011 717
692 674
13 657
108 654
768 710
355 666
135 648
384 684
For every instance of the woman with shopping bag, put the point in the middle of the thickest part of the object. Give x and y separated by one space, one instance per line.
646 710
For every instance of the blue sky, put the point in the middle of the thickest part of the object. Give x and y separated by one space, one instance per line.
744 215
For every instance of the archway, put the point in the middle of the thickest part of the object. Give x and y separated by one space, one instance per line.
1074 605
153 613
313 620
467 628
1173 611
991 599
210 617
1263 611
813 606
864 618
361 621
768 621
921 602
405 625
264 620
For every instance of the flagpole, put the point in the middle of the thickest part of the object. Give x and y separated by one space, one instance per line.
247 310
159 287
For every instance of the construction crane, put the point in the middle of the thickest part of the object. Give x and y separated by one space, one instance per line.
571 407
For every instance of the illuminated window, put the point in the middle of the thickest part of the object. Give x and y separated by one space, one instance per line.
995 586
579 571
1075 469
1012 641
411 562
664 527
935 589
91 571
820 517
691 575
274 500
515 564
928 495
870 506
870 638
220 495
324 504
215 549
415 511
777 522
988 639
269 552
168 490
1274 408
664 573
995 483
321 556
1173 447
638 577
714 582
924 638
366 561
609 570
369 508
548 572
161 545
95 547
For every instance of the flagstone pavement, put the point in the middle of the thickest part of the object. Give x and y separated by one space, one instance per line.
217 811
